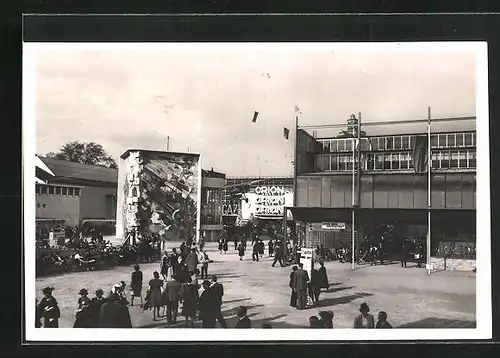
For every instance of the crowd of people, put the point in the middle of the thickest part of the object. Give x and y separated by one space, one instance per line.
88 251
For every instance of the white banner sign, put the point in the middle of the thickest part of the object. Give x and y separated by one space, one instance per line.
267 201
306 258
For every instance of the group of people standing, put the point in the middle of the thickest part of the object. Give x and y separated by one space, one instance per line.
303 286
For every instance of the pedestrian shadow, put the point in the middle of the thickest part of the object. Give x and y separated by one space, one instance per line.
236 300
332 290
334 284
433 322
342 300
257 323
234 310
224 276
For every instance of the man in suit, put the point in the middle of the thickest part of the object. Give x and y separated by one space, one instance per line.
192 261
243 320
172 298
218 292
207 306
301 280
278 254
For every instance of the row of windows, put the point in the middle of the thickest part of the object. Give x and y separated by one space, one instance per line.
395 161
57 190
448 140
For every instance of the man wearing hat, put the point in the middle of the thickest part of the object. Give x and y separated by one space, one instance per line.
136 284
365 319
300 282
49 309
95 307
207 306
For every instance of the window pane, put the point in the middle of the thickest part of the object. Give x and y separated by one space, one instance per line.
473 138
77 192
397 142
64 191
445 159
454 160
451 140
442 140
468 139
395 161
404 161
334 163
341 144
388 143
326 162
374 143
406 142
435 161
43 189
326 146
348 145
342 163
70 191
58 190
460 140
412 142
333 145
349 162
319 163
434 141
387 161
411 160
472 160
462 159
51 190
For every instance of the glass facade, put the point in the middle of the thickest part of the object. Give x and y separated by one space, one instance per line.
395 152
211 206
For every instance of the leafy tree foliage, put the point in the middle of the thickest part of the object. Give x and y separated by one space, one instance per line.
84 153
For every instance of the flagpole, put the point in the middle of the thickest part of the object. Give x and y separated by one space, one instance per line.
353 197
429 166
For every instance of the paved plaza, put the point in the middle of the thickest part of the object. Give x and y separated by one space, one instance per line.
411 298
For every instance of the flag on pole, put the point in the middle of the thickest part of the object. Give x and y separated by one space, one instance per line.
420 155
297 109
255 114
286 132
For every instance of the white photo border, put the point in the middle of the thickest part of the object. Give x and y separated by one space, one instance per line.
483 328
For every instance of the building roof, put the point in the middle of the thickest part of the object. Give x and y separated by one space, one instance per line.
71 171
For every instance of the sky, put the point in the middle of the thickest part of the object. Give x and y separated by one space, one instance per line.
205 100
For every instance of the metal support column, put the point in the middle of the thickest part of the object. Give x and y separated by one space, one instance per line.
429 166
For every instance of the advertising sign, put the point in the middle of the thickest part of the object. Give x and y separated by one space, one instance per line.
230 209
267 202
306 258
159 193
335 226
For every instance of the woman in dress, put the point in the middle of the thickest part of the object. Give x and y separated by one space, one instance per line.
49 309
136 284
165 263
241 250
156 286
83 311
221 243
189 296
323 277
225 245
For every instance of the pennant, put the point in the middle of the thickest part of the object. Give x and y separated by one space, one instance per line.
286 132
255 114
420 155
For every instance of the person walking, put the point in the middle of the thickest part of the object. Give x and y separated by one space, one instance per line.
192 261
270 246
203 260
155 287
218 292
136 284
241 250
365 319
322 276
171 298
175 263
382 321
243 320
300 281
165 263
404 254
189 296
293 295
49 309
225 245
207 306
255 251
314 286
221 243
278 255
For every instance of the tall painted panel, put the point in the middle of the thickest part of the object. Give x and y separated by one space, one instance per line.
159 193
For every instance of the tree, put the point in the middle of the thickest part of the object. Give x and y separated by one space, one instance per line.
84 153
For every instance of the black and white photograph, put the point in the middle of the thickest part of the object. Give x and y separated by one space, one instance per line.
210 187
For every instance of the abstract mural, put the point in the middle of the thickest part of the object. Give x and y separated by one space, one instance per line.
158 193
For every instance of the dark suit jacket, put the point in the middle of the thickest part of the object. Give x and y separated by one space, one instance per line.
207 305
385 324
173 291
218 292
244 323
301 279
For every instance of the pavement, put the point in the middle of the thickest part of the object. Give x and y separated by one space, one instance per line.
411 299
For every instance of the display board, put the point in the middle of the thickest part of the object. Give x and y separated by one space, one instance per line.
159 193
306 258
267 201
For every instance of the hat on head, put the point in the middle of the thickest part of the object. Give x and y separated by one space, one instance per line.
47 290
83 291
